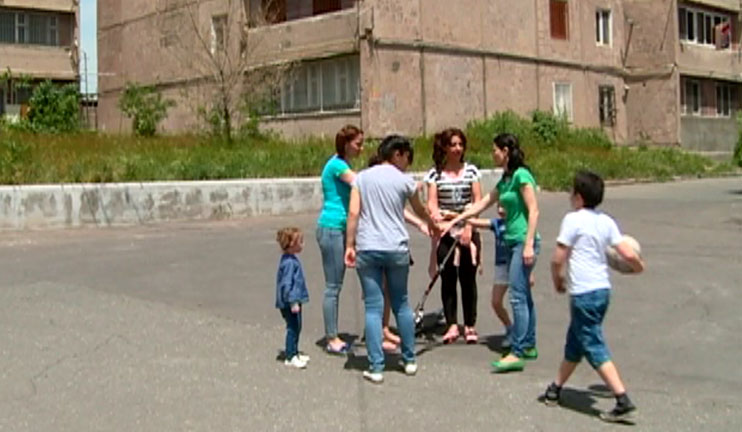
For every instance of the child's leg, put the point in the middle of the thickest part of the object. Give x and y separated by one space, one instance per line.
292 333
609 374
565 371
498 296
297 329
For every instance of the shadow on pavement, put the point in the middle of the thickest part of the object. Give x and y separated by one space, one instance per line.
583 401
494 343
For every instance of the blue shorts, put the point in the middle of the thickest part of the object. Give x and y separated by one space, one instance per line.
585 334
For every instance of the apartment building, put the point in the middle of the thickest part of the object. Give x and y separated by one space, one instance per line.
37 42
660 70
684 72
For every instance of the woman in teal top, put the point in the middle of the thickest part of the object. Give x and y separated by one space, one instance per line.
336 179
516 193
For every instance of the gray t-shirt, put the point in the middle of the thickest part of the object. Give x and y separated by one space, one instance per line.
384 190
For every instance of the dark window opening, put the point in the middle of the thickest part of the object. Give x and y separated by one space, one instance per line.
607 105
324 6
559 19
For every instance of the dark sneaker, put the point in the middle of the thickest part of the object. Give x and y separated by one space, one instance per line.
551 395
620 414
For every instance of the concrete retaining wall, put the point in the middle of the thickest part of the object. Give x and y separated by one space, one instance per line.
118 204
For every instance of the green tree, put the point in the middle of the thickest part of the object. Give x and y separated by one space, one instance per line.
145 106
54 108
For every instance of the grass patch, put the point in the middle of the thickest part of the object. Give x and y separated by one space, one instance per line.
554 151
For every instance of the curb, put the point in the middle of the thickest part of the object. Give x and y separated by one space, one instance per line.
632 181
125 204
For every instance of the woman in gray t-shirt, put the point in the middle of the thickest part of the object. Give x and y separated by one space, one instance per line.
377 245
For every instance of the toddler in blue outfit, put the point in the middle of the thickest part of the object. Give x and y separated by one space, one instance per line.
291 292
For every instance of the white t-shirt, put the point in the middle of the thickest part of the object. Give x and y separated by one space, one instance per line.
587 233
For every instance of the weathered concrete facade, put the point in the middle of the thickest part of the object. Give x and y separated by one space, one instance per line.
421 66
37 40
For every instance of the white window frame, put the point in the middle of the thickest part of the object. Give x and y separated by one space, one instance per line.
313 74
607 105
53 30
569 108
713 18
21 23
222 19
723 107
601 38
688 109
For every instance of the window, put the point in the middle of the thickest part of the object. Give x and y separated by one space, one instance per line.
607 105
53 33
563 100
559 19
29 28
21 35
723 100
325 85
274 11
603 27
325 6
703 27
691 97
7 27
218 33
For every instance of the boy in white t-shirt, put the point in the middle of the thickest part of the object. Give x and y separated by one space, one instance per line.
584 235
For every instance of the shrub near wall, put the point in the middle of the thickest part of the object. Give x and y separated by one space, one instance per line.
553 150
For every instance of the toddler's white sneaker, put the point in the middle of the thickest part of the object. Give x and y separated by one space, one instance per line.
296 362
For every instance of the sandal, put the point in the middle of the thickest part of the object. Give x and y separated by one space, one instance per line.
451 335
470 335
343 350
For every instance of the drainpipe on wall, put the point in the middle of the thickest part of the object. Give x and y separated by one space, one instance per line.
423 98
538 55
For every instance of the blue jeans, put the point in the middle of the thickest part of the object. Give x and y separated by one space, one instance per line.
332 246
523 331
585 334
293 329
372 267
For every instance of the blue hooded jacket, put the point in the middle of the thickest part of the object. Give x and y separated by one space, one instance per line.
290 284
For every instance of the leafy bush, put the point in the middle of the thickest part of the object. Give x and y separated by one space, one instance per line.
54 109
737 156
548 127
145 107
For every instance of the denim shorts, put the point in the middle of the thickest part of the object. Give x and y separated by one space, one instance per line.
501 274
585 334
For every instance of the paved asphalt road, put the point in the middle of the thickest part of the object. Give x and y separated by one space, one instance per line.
172 328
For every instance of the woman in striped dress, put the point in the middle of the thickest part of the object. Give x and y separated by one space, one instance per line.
452 185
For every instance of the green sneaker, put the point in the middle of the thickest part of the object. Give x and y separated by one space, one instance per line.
530 353
515 366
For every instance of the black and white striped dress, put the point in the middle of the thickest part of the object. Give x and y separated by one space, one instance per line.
454 193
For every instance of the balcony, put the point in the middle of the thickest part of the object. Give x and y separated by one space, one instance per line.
314 37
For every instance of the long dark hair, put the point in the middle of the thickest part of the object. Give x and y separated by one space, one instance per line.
516 156
441 141
344 136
